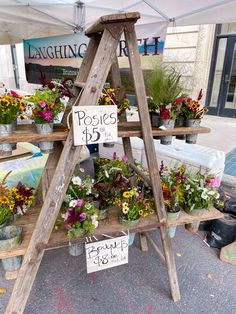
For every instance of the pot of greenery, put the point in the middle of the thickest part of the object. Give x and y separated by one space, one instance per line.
163 86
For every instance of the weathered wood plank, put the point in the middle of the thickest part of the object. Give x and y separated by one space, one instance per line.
135 65
100 24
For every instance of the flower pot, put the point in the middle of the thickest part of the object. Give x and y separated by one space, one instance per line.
169 124
76 249
45 128
108 145
5 130
14 124
10 238
131 238
192 123
155 119
179 122
128 223
172 216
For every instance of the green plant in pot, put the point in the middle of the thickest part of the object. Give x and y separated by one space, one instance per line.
163 86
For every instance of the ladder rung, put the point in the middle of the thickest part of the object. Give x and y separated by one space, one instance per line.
79 84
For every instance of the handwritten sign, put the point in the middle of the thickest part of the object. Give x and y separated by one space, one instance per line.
106 254
94 124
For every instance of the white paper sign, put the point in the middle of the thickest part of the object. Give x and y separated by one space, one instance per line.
106 254
94 124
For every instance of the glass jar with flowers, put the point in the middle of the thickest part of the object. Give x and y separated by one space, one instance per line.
9 110
200 191
133 207
47 105
193 113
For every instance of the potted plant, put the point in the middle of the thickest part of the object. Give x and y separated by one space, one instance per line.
9 110
163 86
47 105
193 113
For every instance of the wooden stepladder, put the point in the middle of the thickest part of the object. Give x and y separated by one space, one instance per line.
99 59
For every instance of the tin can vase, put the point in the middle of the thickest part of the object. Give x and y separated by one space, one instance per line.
10 238
192 123
172 216
169 124
155 119
131 238
179 122
14 124
45 128
128 223
76 249
5 130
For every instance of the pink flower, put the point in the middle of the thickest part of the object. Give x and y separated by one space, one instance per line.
46 115
215 182
68 227
79 202
125 158
14 94
42 103
82 216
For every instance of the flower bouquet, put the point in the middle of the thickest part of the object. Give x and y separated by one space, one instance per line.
193 113
47 105
200 191
10 106
133 207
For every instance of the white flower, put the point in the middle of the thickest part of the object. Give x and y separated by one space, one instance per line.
95 223
187 187
81 169
125 210
76 180
94 217
73 203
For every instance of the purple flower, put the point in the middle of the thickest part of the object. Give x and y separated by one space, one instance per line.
79 202
42 103
125 158
82 216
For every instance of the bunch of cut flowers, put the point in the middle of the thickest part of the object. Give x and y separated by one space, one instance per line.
133 205
11 105
191 108
109 96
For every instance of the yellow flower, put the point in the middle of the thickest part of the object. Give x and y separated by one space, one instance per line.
107 99
179 181
126 194
125 204
141 212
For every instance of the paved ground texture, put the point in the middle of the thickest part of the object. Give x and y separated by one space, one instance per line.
141 287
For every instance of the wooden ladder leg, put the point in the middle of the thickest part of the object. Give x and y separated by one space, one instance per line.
135 65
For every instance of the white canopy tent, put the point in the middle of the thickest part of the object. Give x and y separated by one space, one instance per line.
24 19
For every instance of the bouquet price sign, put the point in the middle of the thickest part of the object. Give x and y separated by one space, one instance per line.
106 254
94 124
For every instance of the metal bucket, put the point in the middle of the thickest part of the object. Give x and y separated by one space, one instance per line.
169 124
10 238
192 123
5 130
76 249
45 128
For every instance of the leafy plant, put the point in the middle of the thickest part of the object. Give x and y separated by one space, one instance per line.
163 86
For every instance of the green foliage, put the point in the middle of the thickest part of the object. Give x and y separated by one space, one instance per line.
5 214
163 86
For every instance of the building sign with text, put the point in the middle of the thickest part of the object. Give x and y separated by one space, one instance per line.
58 57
